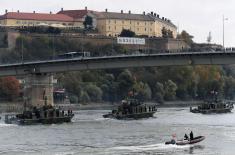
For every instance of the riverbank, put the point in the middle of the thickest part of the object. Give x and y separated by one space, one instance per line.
18 107
108 106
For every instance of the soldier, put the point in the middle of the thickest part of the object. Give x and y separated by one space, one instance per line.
191 135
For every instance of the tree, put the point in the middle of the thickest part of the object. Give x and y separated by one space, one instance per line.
170 90
186 37
94 92
88 23
159 94
5 40
164 32
84 98
143 91
229 88
9 88
72 83
125 83
127 33
167 33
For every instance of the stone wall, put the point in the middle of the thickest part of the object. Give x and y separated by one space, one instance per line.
154 45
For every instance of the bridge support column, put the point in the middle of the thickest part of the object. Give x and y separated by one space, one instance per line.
38 90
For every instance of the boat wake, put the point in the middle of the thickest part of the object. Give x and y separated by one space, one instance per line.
160 146
6 125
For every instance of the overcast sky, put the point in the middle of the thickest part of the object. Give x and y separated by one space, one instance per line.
198 17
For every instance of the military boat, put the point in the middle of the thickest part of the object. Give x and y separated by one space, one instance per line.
132 109
213 106
44 115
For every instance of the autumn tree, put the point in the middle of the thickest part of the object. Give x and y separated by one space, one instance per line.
9 88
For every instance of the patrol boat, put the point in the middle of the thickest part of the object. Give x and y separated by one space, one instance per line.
132 109
47 114
44 115
213 105
208 107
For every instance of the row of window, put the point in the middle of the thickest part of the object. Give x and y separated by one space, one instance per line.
37 23
138 29
128 22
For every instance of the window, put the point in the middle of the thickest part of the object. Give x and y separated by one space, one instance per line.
115 27
130 21
115 22
123 22
109 27
145 29
138 23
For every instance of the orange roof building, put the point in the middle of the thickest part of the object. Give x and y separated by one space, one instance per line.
80 15
35 19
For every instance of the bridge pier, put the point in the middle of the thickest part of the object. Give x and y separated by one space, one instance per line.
38 90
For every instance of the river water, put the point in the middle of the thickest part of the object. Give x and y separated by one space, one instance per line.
90 134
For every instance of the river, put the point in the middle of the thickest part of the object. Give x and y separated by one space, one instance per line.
90 134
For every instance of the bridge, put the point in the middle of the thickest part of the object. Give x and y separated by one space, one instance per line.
121 61
39 74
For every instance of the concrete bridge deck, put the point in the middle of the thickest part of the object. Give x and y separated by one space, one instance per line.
120 61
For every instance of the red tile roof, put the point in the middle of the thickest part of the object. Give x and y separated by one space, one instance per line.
38 16
76 14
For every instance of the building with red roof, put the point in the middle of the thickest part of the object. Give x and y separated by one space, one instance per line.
35 19
80 15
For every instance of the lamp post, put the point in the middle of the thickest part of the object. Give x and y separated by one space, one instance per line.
223 29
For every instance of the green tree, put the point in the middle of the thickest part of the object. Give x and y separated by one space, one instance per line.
71 82
127 33
164 32
229 87
170 90
143 91
88 23
94 92
167 33
159 93
5 40
186 37
84 98
125 83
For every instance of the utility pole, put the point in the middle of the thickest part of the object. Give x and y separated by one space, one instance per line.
223 30
22 50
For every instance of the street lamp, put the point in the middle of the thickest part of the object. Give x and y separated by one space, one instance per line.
223 28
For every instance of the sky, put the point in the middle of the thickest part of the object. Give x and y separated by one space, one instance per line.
197 17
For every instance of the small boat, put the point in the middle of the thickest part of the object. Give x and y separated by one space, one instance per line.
186 142
193 141
132 109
